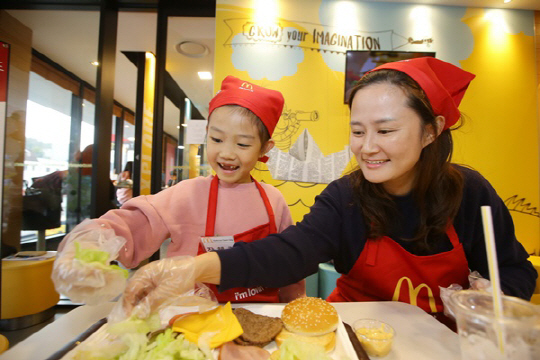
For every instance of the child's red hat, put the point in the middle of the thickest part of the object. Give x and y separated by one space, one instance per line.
267 104
443 83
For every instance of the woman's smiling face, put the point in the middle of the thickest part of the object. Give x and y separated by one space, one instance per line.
387 137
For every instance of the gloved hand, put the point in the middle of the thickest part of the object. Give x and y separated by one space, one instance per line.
82 268
156 285
477 282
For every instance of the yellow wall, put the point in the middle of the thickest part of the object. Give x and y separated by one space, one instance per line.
500 135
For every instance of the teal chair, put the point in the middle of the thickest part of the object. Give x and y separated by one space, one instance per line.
312 285
327 279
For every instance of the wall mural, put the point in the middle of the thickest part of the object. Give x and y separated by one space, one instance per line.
299 49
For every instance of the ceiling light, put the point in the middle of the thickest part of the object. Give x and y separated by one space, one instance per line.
184 125
507 1
205 75
178 126
95 63
180 146
192 49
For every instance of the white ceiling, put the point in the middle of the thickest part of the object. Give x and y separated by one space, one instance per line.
70 38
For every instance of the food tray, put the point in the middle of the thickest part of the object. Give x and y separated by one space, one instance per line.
344 347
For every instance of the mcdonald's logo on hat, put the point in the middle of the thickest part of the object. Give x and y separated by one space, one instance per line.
246 86
413 293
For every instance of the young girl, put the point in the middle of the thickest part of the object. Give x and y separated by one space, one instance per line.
405 223
199 214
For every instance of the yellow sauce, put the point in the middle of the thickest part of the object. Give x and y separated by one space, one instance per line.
375 341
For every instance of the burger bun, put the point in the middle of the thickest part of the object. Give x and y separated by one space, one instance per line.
310 316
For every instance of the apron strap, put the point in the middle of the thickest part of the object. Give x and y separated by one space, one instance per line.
268 206
212 207
452 235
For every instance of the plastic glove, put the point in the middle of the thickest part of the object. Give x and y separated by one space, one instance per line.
156 285
82 268
445 297
477 282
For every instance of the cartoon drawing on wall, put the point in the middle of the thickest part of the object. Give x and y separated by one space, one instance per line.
517 204
306 163
288 125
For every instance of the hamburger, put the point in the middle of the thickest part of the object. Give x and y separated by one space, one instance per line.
311 320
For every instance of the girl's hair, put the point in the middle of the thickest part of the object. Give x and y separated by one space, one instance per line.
129 167
264 135
438 187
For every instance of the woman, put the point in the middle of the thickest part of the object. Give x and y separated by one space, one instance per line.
406 217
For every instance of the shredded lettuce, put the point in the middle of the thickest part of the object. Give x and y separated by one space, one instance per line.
292 349
134 325
97 258
130 342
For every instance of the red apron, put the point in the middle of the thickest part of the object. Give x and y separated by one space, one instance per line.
257 294
386 271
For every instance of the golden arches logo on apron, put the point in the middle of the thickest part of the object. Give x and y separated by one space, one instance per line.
413 293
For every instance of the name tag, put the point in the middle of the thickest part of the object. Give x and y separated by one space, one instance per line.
213 243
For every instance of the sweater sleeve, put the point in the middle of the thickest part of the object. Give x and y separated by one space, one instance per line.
517 275
139 221
290 292
290 256
281 209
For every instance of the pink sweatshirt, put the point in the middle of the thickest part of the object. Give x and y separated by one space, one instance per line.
179 213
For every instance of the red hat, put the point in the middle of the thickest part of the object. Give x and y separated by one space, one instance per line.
265 103
443 83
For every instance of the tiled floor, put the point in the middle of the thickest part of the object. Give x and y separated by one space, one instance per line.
16 336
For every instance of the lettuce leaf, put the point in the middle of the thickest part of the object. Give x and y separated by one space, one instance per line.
97 258
292 349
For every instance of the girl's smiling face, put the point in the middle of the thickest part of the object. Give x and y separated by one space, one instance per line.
233 145
387 137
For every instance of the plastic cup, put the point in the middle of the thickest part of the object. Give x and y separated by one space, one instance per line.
483 336
375 336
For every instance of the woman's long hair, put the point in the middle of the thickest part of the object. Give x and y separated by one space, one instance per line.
438 186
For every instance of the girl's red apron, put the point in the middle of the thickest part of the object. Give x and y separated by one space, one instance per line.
257 294
386 271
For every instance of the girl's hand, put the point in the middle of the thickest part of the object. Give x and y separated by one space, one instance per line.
82 269
157 285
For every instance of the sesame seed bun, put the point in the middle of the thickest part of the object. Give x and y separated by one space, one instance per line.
310 316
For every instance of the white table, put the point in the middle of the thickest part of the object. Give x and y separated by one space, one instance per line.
418 335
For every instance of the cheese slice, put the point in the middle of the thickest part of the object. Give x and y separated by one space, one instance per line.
217 326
